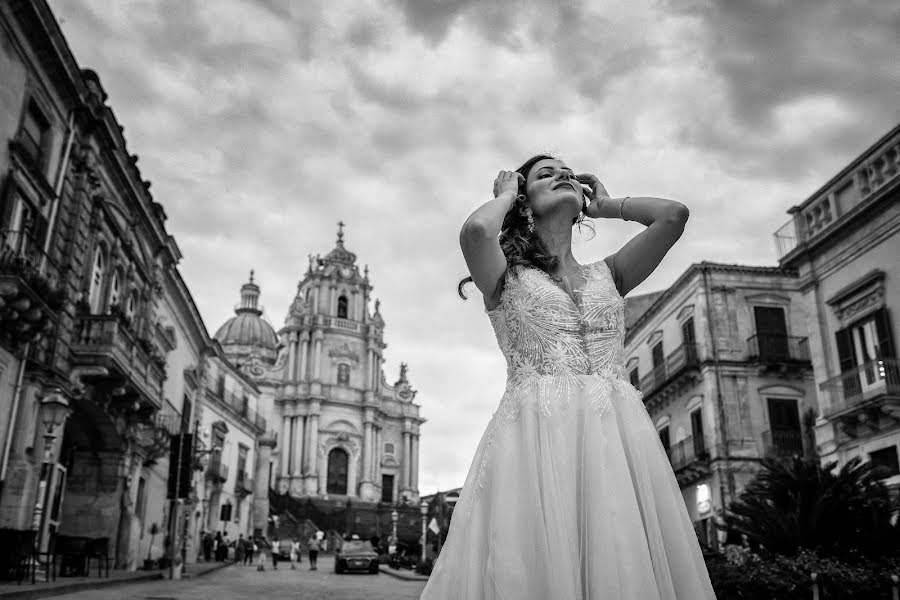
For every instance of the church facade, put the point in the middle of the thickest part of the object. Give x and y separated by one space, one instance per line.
342 432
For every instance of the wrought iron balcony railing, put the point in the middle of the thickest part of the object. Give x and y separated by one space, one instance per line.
782 443
683 357
776 347
866 385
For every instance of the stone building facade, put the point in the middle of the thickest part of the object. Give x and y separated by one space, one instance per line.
343 432
722 360
844 242
94 311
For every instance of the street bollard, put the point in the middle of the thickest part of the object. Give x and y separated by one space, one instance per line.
815 586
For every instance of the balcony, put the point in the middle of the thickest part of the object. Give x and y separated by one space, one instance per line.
341 324
113 355
865 399
842 198
244 485
30 295
777 349
217 471
237 404
679 371
782 443
690 460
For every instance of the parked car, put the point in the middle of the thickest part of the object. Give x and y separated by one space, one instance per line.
356 555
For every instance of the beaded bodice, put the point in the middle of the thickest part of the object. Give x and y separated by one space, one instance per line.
543 331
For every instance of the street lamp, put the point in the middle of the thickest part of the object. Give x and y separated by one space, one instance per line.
54 411
394 517
423 508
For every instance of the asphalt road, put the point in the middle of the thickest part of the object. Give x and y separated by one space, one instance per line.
247 582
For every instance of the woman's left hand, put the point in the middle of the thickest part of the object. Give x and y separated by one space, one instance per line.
596 194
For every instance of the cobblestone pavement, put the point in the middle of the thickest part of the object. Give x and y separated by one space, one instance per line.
247 582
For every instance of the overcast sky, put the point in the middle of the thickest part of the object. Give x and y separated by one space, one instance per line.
261 124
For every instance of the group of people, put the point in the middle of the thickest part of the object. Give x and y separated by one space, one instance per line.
253 551
314 545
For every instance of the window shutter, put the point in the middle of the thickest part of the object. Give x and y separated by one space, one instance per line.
885 338
849 381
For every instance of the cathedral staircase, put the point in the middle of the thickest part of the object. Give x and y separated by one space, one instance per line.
343 515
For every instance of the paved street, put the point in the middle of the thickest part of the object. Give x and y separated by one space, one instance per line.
247 582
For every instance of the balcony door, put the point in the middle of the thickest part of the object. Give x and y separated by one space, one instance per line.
771 333
784 425
860 348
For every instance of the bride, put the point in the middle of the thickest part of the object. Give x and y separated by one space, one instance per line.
570 494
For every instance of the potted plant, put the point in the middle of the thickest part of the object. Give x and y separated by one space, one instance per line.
149 562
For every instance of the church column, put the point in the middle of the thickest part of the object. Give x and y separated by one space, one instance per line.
404 461
317 355
367 451
304 356
297 462
315 297
414 465
332 302
352 475
284 444
312 445
292 356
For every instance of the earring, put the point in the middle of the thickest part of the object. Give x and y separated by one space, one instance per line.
530 217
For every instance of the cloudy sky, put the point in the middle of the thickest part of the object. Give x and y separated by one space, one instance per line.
261 124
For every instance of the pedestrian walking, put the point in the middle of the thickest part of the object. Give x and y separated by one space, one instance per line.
275 548
295 553
313 545
208 545
248 551
239 550
259 554
218 546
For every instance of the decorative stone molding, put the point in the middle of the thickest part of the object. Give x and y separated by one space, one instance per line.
654 337
685 312
344 351
863 296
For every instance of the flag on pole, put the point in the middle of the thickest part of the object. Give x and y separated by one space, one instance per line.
433 526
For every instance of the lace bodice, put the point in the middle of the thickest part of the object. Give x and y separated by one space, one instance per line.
542 331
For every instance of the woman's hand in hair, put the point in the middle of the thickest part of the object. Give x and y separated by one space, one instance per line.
595 194
507 182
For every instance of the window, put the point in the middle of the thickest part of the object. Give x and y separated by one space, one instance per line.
220 386
97 280
29 225
634 379
338 461
771 333
114 291
131 305
388 448
688 336
225 512
140 508
697 432
664 437
657 354
886 461
343 375
860 348
387 488
342 307
241 463
186 415
33 134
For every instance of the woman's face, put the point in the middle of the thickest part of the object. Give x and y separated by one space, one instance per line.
551 186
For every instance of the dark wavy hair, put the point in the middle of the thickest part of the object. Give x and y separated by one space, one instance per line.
520 246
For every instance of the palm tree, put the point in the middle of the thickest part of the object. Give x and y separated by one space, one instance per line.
799 503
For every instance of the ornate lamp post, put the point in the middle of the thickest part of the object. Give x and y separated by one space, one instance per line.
423 508
394 517
54 411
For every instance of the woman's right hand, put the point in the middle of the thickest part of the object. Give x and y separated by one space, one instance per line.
507 182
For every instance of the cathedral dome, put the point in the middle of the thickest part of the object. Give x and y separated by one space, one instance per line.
247 327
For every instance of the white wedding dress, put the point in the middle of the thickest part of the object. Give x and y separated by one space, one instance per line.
570 494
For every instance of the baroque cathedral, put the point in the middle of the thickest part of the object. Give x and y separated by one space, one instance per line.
339 430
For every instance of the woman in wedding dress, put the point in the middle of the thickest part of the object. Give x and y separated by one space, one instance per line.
570 495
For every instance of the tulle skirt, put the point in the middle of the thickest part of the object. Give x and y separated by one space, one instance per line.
572 498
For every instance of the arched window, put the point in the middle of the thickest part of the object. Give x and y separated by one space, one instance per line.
343 375
94 297
337 471
342 307
115 291
131 305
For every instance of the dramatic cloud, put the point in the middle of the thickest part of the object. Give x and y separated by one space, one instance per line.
261 124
